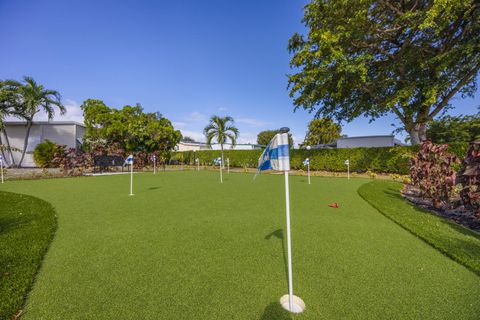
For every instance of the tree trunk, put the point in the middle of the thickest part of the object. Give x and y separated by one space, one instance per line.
25 142
7 141
418 133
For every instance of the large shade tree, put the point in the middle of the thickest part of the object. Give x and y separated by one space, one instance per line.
376 57
264 137
221 130
322 131
130 128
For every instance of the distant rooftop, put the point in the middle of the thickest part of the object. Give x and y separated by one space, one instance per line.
23 123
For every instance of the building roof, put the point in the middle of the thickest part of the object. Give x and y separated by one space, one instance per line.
23 123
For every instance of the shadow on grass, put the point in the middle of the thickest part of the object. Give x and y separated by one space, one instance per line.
153 188
274 311
279 235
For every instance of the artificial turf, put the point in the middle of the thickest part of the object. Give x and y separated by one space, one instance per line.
187 247
456 241
27 225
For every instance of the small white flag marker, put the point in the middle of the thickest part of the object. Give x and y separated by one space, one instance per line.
347 163
306 162
129 161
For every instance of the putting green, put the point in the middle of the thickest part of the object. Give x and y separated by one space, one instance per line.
187 247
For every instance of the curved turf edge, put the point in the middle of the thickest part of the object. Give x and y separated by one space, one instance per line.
27 226
453 240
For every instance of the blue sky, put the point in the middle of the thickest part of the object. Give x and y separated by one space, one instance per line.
187 59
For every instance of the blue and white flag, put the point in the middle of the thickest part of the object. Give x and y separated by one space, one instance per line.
1 159
217 161
347 162
306 162
129 160
276 155
153 158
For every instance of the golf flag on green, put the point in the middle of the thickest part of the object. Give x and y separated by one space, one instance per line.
276 157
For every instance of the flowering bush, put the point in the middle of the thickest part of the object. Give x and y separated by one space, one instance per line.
433 174
469 179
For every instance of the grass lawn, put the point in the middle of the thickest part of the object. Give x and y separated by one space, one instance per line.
457 242
187 247
27 225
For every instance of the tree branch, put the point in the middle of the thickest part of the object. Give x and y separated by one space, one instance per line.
455 89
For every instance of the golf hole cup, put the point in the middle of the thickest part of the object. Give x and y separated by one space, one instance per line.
298 304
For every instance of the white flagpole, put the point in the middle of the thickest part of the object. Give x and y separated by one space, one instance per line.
348 170
1 168
155 165
198 164
228 165
289 243
221 175
308 169
131 179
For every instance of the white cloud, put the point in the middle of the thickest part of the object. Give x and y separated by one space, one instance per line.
179 124
247 137
196 116
252 122
73 113
197 136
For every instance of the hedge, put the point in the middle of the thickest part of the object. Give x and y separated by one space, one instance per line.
384 159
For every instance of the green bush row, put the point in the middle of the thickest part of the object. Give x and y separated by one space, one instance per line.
385 159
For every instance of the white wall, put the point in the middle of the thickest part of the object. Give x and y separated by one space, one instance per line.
62 134
357 142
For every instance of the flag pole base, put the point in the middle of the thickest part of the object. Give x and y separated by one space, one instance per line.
298 304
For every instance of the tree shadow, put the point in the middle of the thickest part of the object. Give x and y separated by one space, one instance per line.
274 311
279 235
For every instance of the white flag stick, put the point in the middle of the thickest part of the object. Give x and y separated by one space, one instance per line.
348 171
308 170
198 164
228 165
289 243
131 179
1 168
221 175
155 166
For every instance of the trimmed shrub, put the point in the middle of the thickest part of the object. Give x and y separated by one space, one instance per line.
379 160
44 154
432 172
469 179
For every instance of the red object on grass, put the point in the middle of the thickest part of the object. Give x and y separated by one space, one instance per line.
333 205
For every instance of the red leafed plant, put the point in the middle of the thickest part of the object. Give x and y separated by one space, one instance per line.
432 173
469 178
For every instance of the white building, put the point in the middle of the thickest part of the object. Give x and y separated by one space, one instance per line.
369 141
362 142
191 146
239 146
68 133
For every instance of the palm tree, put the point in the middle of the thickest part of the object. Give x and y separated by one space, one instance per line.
9 106
34 98
220 129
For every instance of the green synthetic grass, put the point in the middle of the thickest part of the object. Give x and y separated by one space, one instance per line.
27 225
457 242
187 247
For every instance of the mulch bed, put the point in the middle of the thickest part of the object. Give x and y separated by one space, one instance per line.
458 214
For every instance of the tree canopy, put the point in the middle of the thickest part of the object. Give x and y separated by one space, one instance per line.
322 131
264 137
454 129
376 57
129 127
